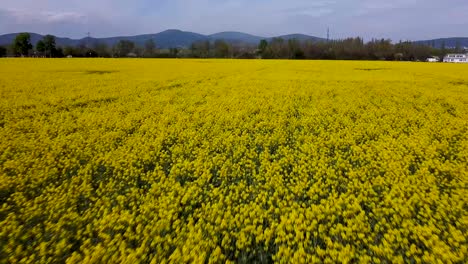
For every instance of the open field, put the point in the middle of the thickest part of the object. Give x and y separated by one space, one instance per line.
154 161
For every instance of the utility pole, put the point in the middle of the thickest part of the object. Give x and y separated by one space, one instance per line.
87 40
328 34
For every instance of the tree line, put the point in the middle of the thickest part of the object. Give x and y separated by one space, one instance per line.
277 48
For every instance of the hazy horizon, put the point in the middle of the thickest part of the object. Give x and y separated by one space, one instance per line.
398 20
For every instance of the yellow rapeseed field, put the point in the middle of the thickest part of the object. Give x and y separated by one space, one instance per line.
214 161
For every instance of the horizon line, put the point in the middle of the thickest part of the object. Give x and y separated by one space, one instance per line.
227 31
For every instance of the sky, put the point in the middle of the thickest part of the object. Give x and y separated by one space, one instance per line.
395 19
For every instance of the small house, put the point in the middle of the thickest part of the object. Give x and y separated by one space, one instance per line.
433 59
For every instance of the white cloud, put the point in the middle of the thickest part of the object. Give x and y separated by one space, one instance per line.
64 17
27 17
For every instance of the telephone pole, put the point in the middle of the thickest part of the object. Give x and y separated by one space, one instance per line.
87 39
328 34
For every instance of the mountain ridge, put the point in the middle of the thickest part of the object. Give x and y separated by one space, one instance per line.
447 42
175 38
171 38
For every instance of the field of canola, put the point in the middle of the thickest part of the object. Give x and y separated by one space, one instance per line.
213 161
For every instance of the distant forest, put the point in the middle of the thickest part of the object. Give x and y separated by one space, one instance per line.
276 48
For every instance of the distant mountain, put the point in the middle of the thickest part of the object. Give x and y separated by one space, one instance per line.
301 37
8 39
177 38
448 42
236 37
233 37
166 39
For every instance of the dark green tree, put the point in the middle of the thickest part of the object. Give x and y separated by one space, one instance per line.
262 46
221 48
174 52
71 51
22 44
102 49
90 53
40 47
279 48
49 45
3 51
295 50
123 48
59 52
150 48
200 49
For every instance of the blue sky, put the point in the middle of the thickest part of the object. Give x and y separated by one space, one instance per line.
396 19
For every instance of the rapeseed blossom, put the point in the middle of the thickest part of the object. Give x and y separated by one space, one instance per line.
174 161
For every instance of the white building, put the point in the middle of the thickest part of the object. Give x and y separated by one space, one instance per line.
456 58
433 59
